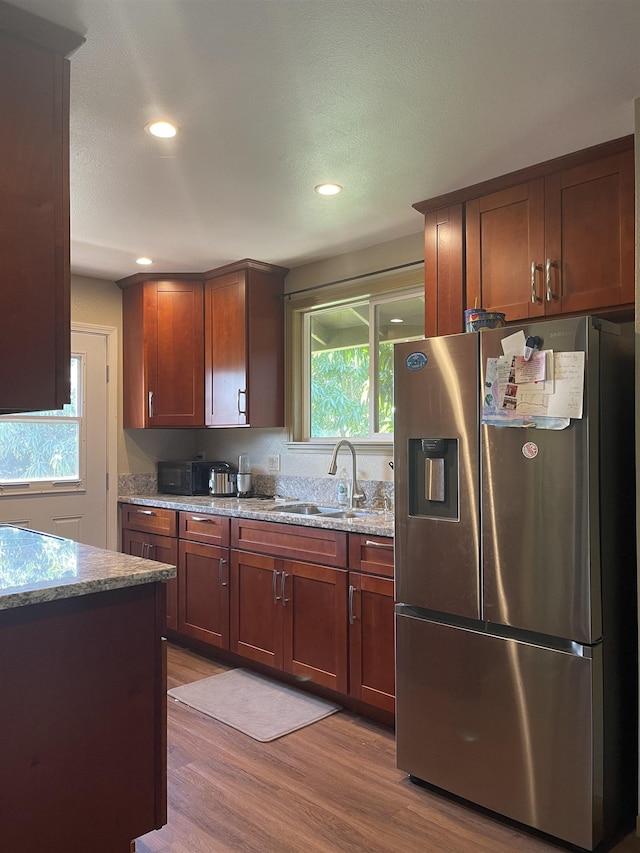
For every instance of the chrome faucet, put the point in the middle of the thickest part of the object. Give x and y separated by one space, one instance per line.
356 494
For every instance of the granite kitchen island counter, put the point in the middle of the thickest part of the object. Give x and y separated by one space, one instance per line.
36 567
83 711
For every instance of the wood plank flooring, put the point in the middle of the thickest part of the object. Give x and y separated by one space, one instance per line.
331 787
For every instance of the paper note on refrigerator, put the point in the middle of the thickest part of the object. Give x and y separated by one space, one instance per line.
567 399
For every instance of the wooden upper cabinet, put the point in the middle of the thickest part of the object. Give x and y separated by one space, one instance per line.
244 345
443 271
505 248
34 212
163 354
589 236
555 238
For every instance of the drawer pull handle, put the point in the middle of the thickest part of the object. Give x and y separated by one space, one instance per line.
378 544
221 572
274 588
202 518
284 582
240 392
150 404
145 511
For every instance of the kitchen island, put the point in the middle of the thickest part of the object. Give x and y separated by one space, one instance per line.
83 709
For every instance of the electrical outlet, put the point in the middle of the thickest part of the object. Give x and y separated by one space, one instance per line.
273 462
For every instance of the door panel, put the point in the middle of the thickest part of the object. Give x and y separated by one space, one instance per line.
256 609
439 555
371 641
504 724
204 593
538 555
505 235
79 514
315 627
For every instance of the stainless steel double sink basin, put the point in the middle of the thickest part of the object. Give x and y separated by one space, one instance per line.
323 511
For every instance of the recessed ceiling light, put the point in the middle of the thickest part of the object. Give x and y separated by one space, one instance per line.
162 129
144 262
328 189
396 320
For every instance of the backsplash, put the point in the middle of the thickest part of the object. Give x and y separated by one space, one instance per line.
318 489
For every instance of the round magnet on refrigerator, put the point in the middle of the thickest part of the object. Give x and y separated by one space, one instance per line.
416 360
530 450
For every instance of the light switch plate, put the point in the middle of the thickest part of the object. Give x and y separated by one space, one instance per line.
273 462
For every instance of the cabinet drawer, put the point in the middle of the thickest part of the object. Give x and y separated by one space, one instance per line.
373 554
311 544
148 519
201 527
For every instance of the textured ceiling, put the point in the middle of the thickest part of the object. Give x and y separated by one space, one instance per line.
397 100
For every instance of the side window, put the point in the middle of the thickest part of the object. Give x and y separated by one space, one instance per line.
43 451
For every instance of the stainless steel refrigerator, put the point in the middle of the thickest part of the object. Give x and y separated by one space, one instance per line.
516 641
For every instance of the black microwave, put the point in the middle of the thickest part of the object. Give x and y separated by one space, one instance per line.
184 478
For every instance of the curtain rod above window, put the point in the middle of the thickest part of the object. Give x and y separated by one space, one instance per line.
351 278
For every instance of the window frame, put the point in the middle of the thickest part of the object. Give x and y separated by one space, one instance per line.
379 288
55 486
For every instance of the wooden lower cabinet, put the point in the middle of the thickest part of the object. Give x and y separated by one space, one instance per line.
203 592
314 603
291 616
371 640
164 549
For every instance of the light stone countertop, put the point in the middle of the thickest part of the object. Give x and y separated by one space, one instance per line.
379 523
36 568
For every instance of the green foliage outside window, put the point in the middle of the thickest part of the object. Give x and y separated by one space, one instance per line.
340 389
43 445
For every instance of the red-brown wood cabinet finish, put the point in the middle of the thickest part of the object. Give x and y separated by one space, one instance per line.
287 612
34 212
371 620
443 270
203 578
84 717
556 238
244 345
163 357
150 532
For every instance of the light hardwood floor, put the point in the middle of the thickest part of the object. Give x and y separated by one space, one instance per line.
331 787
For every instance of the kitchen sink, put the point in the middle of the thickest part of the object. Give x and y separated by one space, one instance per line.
324 511
304 509
347 513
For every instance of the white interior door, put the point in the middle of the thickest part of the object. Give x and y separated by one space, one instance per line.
62 487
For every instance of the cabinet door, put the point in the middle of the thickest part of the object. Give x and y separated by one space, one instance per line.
589 230
163 549
256 608
371 640
226 351
443 271
174 353
203 597
34 213
505 251
314 600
